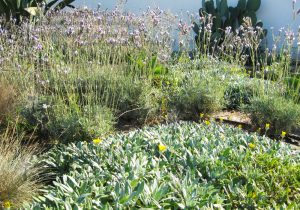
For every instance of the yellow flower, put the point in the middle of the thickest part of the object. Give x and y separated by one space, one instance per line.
207 122
254 195
283 134
267 126
162 147
252 146
97 141
7 204
240 126
221 119
201 115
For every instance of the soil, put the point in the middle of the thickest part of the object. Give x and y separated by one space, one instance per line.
238 118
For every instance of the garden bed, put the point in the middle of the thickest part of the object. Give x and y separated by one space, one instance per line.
79 92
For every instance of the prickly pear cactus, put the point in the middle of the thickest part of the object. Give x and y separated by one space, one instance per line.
225 16
253 5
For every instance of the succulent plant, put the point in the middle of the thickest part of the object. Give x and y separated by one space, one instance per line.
225 16
17 9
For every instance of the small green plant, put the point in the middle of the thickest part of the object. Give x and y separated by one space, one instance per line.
283 114
238 94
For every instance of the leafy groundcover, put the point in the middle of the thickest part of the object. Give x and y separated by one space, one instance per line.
176 166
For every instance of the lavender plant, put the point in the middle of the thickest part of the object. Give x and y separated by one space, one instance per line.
123 61
93 59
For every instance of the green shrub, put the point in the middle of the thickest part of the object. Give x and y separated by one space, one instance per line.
133 98
198 93
282 114
201 86
67 124
237 94
178 166
56 120
241 90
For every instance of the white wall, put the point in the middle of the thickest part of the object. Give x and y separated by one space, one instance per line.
273 13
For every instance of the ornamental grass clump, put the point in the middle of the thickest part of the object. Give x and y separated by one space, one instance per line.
20 178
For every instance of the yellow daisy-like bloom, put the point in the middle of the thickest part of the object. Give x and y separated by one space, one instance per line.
283 134
240 126
207 122
221 119
6 204
201 115
97 141
267 126
162 147
252 146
